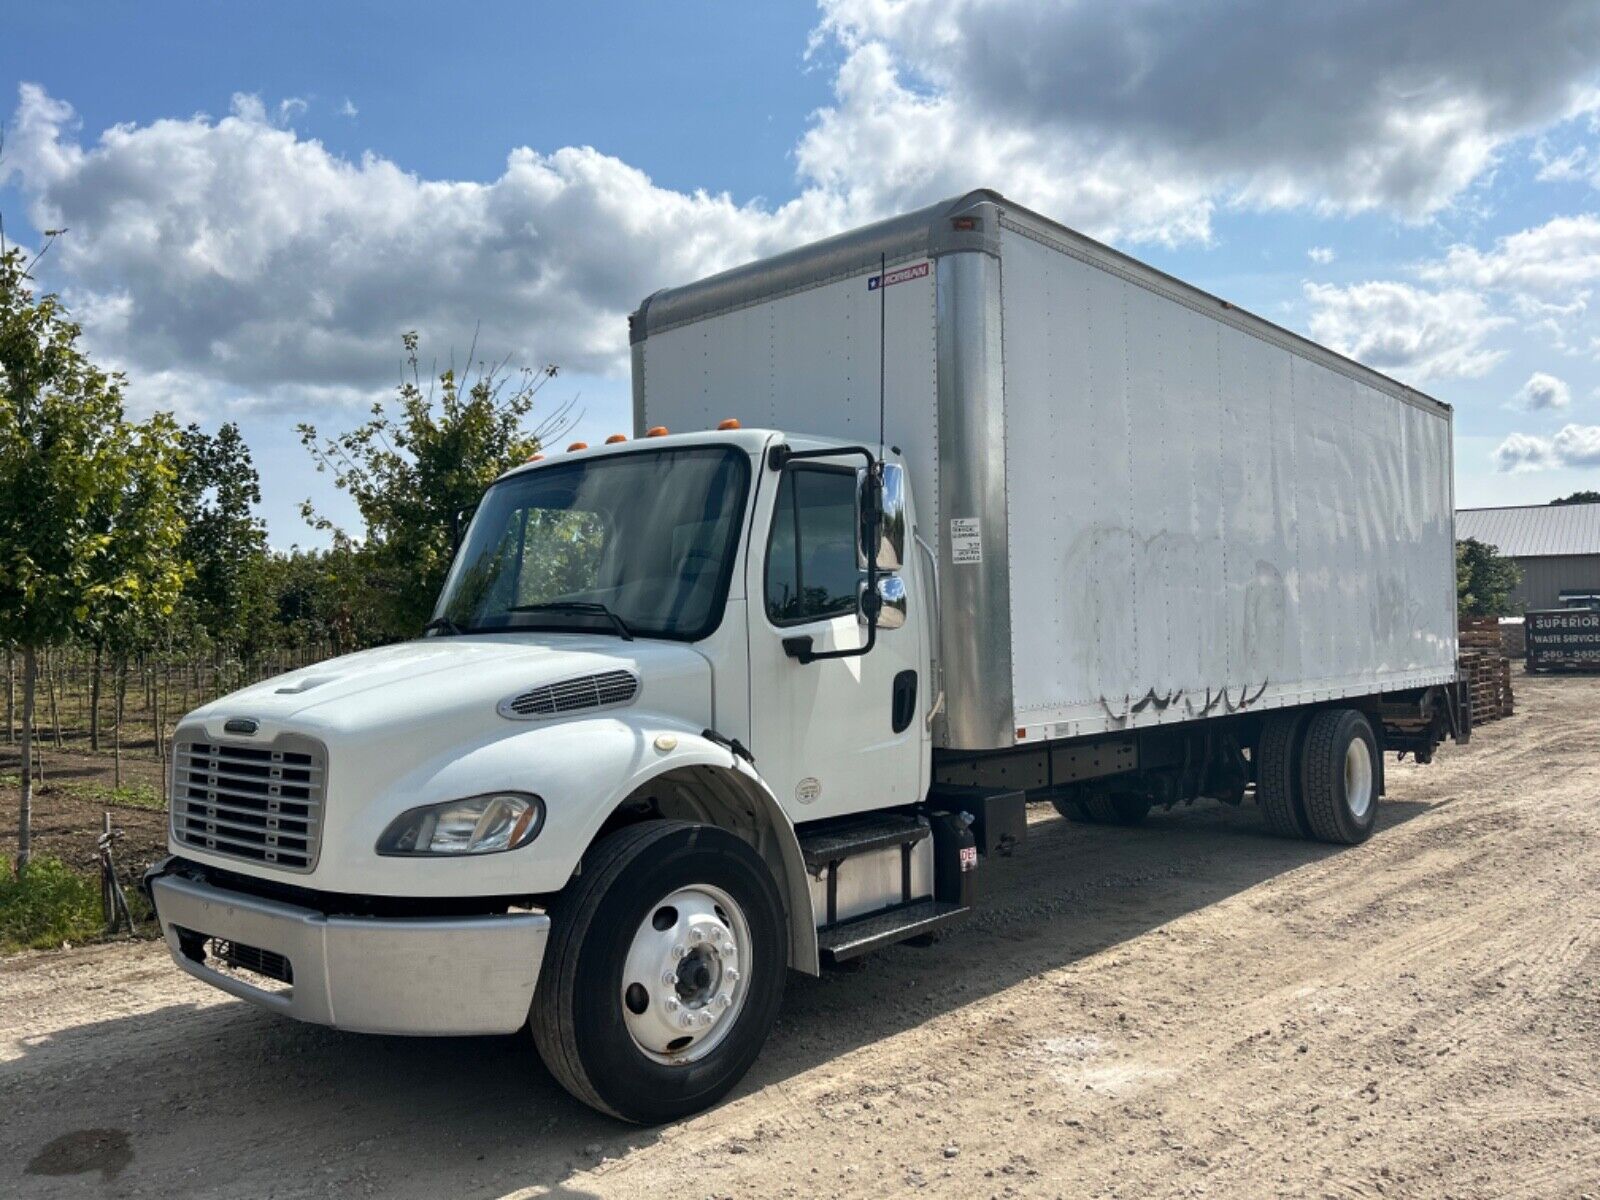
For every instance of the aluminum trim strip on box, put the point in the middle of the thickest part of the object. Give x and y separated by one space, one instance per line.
974 577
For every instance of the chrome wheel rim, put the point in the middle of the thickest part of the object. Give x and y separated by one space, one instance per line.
686 975
1358 777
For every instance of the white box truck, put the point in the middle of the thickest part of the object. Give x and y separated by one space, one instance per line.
918 524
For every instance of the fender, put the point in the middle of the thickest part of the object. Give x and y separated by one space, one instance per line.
584 768
706 781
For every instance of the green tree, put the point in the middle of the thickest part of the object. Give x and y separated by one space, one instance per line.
89 524
1484 580
412 471
223 540
1579 498
319 598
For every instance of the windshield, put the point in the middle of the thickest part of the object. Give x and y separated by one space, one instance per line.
648 535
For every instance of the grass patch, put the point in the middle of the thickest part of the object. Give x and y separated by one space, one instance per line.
129 795
49 903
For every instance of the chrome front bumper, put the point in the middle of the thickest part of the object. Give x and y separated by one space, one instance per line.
425 976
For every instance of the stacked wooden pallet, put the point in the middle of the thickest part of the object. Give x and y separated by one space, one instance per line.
1486 669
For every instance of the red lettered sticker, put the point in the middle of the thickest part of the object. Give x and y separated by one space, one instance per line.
969 857
899 275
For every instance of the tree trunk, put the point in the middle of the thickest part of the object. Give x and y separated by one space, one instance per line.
161 743
30 671
122 696
50 693
94 700
11 695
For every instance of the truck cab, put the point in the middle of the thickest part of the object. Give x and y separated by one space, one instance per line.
680 638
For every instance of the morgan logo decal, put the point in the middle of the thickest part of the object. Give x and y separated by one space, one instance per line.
899 275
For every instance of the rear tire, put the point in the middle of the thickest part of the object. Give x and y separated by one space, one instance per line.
688 887
1119 809
1339 773
1074 811
1278 789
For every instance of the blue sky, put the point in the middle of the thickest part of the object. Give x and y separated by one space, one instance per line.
262 199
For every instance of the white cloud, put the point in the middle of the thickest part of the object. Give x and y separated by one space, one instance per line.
1259 102
1321 255
1576 164
348 108
1406 331
1542 392
220 258
229 257
885 146
1572 446
1550 261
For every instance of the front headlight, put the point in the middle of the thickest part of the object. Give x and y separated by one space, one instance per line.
476 825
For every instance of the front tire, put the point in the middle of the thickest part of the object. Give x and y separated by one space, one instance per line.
1339 773
663 972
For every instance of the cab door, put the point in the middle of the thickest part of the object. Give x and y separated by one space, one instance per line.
834 735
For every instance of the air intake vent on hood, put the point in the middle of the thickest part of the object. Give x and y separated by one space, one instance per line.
571 695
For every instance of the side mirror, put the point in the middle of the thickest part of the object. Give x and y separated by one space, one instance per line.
459 520
883 518
888 609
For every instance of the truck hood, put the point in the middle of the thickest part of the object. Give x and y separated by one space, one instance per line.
432 680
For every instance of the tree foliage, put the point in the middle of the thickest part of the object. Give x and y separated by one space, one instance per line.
89 520
1485 580
1579 498
223 540
413 468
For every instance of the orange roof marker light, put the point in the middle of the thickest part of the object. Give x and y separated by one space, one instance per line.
578 446
615 438
730 423
537 458
656 431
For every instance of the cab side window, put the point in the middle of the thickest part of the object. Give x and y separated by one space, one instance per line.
811 555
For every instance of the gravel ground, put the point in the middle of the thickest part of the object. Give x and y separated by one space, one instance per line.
1188 1008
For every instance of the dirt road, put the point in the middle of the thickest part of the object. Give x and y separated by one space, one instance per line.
1188 1008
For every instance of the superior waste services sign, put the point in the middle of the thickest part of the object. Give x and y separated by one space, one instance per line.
1567 637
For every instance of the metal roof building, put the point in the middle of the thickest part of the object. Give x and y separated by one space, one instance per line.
1557 547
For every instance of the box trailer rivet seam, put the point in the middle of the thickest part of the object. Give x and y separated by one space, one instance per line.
1112 537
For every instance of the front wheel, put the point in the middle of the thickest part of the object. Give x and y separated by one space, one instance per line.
663 972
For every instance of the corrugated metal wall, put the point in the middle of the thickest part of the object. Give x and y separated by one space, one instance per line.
1546 577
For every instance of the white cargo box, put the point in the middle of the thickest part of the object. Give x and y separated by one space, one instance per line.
1148 505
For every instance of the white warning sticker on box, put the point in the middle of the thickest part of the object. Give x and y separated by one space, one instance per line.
966 543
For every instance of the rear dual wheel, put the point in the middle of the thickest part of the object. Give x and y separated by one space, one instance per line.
1339 770
1317 776
1120 809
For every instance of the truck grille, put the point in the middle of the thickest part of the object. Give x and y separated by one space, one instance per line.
260 803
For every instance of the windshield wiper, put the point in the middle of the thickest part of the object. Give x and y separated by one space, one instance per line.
444 623
578 606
